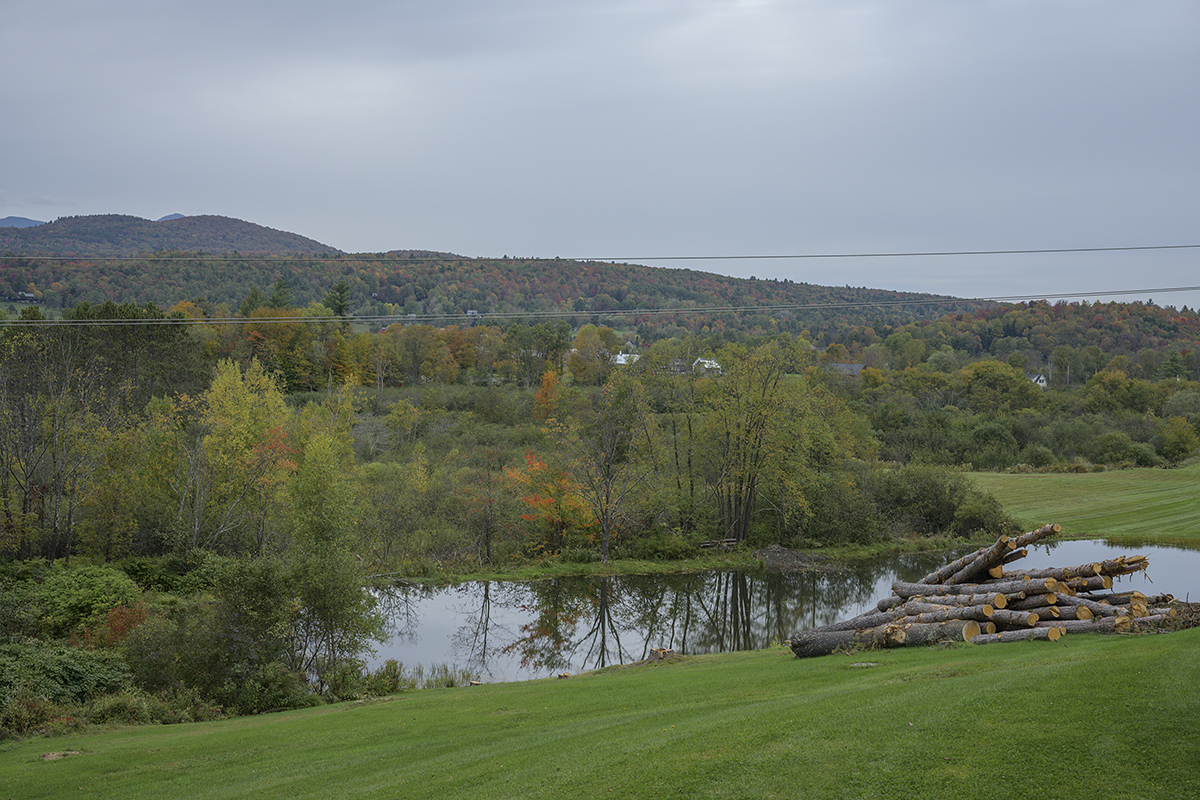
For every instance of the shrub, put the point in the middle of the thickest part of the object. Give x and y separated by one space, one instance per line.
76 597
981 512
24 710
175 574
839 511
579 555
1178 439
270 687
656 547
61 674
116 626
387 679
18 610
131 707
1037 456
929 500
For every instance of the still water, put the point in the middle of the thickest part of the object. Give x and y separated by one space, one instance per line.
507 631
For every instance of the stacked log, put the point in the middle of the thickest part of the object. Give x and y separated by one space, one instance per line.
977 599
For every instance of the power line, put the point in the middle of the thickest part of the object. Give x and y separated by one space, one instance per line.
907 254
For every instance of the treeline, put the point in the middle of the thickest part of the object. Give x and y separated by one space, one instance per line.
989 415
442 289
1067 342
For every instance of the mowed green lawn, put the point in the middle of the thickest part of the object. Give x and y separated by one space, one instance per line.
1152 506
1089 716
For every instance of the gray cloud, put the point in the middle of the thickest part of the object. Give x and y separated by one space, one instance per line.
610 128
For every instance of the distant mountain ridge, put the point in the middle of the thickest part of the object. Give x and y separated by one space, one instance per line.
19 222
108 235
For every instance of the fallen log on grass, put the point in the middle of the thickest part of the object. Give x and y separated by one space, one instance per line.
1050 633
1094 584
992 557
1058 573
959 630
1095 625
915 606
1035 603
1007 587
1098 609
1019 618
821 642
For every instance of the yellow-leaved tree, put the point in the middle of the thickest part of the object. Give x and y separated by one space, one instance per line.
232 459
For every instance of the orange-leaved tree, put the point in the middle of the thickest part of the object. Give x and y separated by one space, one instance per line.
557 512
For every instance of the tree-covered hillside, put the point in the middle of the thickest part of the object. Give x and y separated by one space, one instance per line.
123 235
443 287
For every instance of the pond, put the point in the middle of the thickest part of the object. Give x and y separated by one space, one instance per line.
507 631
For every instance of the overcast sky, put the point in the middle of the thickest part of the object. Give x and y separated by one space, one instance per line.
630 129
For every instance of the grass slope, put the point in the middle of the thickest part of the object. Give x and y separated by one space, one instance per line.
1089 716
1159 506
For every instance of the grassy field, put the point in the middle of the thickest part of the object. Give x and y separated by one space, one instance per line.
1150 506
1089 716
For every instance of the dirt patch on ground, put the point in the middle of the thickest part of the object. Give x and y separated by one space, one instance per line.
60 754
780 559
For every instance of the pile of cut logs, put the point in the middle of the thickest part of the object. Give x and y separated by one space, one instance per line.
979 599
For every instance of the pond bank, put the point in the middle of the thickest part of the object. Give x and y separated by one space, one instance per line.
771 558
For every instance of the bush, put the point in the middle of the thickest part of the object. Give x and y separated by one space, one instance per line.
131 707
929 500
656 547
71 598
839 511
579 555
387 679
116 626
24 710
345 681
1037 456
18 610
270 687
980 512
61 674
173 574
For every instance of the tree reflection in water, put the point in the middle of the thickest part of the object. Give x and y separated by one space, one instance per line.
507 631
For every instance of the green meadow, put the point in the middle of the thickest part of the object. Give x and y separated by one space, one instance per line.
1088 716
1151 506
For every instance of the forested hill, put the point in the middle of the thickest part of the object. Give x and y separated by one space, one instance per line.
122 235
442 288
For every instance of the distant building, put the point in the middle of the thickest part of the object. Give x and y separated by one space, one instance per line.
621 359
849 370
706 366
1039 380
